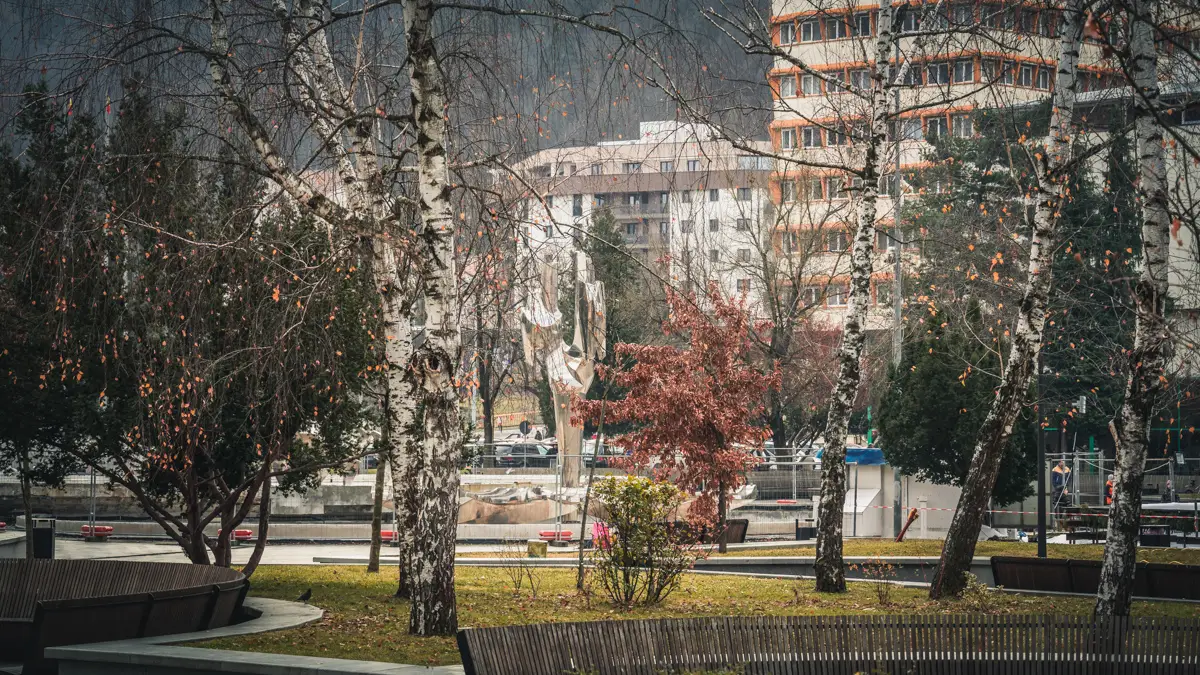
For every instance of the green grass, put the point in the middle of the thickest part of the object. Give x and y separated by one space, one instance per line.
363 621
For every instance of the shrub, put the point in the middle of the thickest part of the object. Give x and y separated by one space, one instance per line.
643 553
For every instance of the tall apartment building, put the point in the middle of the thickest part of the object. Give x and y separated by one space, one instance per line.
985 55
690 206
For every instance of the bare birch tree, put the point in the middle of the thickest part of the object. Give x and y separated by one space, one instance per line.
1146 381
1052 159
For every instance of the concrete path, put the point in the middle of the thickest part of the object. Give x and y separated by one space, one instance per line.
279 554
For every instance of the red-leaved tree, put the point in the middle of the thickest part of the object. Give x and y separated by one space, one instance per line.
696 409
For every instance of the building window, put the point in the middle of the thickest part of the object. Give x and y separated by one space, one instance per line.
938 73
1191 115
1043 78
787 191
837 241
666 167
962 14
631 229
601 200
962 127
787 139
633 199
685 197
884 241
883 293
908 19
810 295
810 85
597 169
816 189
664 228
1028 21
810 31
1047 25
664 198
714 195
685 226
836 28
714 225
862 25
837 296
787 86
912 76
743 224
860 79
743 255
742 194
787 33
714 255
836 82
693 165
549 201
743 285
633 167
576 205
910 130
812 137
837 189
935 127
964 71
1025 76
834 137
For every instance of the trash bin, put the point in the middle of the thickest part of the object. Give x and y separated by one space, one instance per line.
42 533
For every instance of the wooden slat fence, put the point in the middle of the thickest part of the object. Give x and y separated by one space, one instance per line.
828 645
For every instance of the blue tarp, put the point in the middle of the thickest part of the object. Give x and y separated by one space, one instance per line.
862 456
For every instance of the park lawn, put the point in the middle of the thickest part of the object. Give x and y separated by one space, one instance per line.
363 621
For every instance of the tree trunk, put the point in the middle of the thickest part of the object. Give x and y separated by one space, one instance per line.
264 521
399 433
829 567
486 353
722 520
433 610
1020 369
1148 359
587 493
377 508
27 504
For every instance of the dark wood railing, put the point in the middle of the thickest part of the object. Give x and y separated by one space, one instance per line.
795 645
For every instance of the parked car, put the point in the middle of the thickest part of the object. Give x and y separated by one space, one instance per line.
608 453
527 455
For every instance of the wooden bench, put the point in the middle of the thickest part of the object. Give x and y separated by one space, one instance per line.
796 645
551 535
1151 580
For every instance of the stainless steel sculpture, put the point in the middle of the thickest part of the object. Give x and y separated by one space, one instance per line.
569 367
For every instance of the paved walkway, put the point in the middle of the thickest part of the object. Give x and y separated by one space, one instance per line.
279 554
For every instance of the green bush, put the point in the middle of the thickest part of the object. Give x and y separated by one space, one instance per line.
639 552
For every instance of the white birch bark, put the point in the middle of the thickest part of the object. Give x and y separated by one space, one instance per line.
1147 361
330 105
829 566
1020 369
433 608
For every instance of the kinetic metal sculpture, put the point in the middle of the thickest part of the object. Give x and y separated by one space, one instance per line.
569 367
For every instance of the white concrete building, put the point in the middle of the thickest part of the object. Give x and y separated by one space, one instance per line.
690 206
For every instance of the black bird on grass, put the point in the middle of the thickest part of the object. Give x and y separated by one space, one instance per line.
305 596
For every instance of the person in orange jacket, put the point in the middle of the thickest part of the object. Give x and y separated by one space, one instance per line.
1109 491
